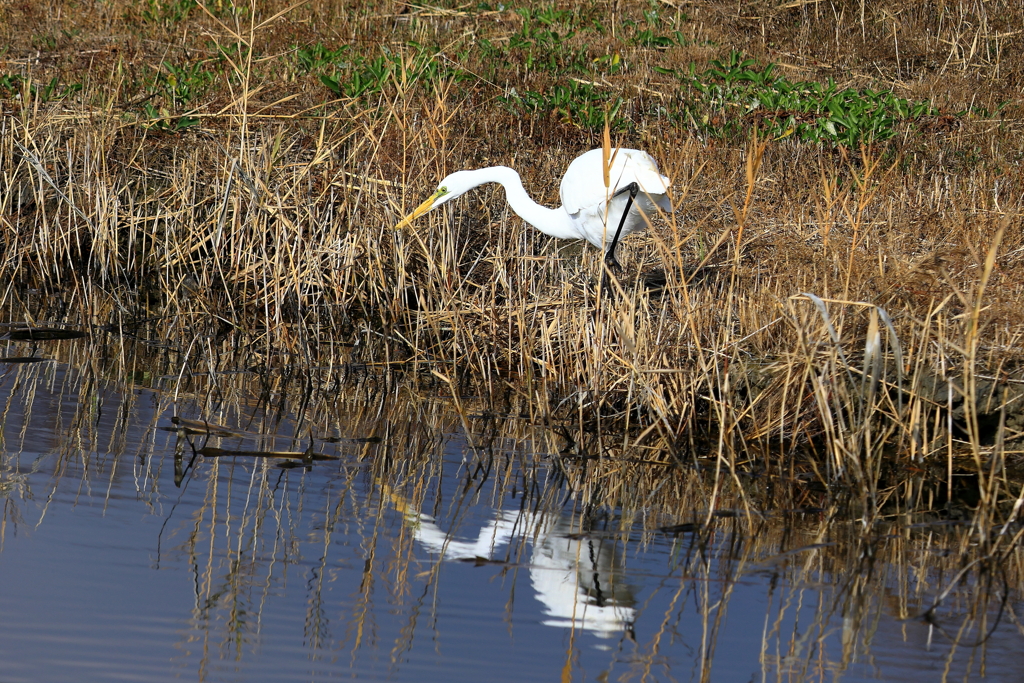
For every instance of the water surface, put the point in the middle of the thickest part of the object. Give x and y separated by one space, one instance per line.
416 554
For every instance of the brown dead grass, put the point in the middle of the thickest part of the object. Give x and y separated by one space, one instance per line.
262 237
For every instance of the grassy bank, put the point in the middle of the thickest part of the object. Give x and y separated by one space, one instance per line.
841 270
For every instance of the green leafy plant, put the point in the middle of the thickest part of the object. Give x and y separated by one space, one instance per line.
360 76
14 84
162 120
648 38
546 50
366 77
317 57
576 102
735 91
548 16
166 12
54 90
47 41
543 43
232 52
180 85
11 83
981 112
609 64
651 33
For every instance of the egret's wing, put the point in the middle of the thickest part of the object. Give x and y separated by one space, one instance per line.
583 184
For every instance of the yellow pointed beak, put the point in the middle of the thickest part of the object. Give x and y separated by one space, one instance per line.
419 210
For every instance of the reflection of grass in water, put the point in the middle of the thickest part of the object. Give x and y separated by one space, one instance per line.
249 226
256 525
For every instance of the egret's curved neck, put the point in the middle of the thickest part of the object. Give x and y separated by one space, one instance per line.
554 222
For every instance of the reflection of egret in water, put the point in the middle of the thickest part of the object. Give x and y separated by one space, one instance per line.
578 578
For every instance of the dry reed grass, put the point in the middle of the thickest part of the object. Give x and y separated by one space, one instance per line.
862 304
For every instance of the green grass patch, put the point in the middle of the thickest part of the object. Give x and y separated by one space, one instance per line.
577 102
12 85
358 76
181 85
731 94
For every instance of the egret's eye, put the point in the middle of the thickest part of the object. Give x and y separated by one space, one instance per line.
442 190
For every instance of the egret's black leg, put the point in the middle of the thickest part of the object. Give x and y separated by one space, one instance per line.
609 256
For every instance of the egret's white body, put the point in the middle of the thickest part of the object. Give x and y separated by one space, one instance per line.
590 209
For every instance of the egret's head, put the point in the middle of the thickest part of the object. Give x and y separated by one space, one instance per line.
452 186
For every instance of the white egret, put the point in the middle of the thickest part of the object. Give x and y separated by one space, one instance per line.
596 207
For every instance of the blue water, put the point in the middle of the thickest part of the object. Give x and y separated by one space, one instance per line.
385 565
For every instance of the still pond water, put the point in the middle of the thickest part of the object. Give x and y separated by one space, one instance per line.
431 565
